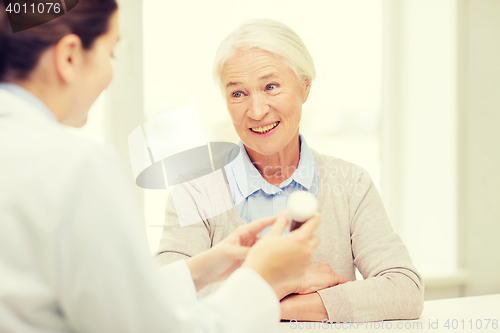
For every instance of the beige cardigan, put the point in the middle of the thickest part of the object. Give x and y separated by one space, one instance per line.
354 231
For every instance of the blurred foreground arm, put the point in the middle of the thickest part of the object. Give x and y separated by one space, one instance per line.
107 280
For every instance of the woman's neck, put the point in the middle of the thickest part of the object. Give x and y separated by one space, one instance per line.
277 167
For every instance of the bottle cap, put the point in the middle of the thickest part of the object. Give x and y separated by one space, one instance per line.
301 206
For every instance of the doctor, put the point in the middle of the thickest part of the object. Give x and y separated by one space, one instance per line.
72 253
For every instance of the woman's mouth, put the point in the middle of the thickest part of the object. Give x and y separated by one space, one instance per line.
264 129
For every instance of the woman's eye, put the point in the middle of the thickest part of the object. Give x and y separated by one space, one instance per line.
237 94
271 86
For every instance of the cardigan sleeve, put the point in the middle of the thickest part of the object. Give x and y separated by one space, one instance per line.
192 206
181 242
391 287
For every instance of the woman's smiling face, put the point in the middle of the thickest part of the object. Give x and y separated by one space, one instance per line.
264 98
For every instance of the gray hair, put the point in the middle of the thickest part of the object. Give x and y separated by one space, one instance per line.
268 35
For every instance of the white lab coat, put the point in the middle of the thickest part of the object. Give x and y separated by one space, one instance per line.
73 256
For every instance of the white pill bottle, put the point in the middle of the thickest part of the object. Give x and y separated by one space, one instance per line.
300 207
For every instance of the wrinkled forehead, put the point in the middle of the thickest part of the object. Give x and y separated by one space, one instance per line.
256 64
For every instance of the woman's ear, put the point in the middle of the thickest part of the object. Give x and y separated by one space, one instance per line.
306 88
68 54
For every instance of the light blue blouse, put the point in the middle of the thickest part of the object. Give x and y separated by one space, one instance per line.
254 197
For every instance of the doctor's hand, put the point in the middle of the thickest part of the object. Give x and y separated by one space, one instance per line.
217 263
282 259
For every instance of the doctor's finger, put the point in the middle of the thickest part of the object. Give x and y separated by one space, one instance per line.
280 224
314 242
257 226
309 226
240 252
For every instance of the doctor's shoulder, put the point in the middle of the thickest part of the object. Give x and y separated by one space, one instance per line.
94 162
53 175
52 159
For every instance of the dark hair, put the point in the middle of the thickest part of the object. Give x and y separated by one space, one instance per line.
21 51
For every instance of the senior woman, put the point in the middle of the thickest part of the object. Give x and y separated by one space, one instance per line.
265 73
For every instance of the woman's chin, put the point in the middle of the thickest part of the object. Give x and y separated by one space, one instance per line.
263 149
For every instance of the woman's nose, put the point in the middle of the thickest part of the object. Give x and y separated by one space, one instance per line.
258 108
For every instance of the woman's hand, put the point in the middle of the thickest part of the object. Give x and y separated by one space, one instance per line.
317 277
217 263
307 307
281 259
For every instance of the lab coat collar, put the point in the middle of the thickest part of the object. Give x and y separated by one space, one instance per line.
15 95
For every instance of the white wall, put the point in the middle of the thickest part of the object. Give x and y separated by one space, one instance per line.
441 141
420 129
124 97
479 142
